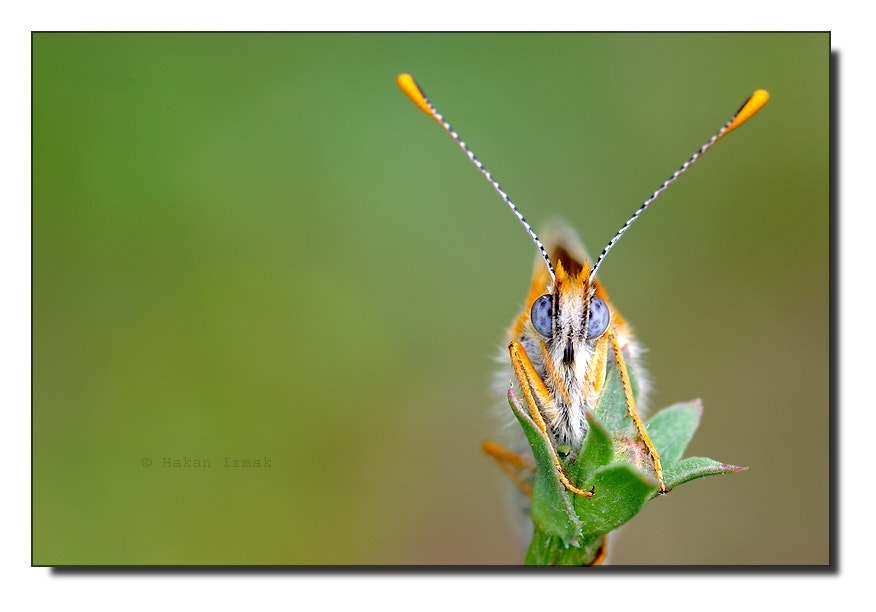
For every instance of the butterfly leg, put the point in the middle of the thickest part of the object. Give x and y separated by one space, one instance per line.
631 408
516 467
532 385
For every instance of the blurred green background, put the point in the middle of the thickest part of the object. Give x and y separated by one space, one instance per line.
255 247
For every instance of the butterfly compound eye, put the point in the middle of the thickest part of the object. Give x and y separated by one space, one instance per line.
599 317
542 315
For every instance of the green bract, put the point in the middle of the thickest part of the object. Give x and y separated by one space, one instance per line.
568 529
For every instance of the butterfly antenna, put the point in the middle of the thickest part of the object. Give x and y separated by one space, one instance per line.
415 93
754 103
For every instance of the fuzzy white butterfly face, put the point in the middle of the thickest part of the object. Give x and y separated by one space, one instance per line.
564 335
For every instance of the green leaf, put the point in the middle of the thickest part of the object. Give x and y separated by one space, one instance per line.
696 467
620 491
552 513
596 451
611 410
672 428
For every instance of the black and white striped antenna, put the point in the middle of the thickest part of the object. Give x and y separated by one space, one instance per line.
409 86
754 103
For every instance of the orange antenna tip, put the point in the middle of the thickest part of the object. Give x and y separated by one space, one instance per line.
408 85
755 102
